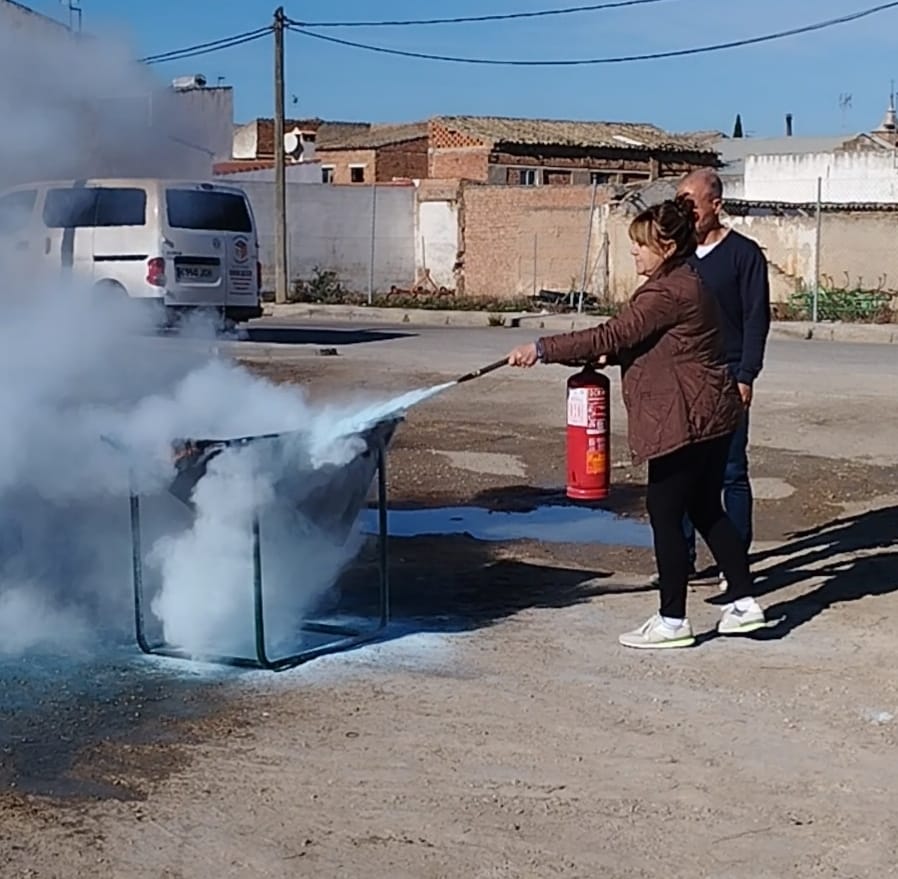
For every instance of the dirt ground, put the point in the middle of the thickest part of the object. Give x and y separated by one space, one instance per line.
498 730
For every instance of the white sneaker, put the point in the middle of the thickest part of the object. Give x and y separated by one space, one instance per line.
655 634
742 622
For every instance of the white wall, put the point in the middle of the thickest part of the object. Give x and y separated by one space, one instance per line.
300 172
847 177
205 119
329 227
155 133
81 107
246 141
733 186
436 245
14 16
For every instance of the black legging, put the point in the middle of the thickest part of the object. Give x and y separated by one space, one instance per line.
690 481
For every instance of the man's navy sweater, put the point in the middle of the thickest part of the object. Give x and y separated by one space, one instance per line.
735 272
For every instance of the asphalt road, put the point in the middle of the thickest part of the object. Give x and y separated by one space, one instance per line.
827 398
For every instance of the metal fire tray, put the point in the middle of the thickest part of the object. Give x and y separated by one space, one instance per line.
336 510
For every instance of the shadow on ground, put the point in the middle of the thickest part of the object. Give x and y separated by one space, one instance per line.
453 584
819 553
270 335
624 499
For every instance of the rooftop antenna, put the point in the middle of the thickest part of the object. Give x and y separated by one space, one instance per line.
890 123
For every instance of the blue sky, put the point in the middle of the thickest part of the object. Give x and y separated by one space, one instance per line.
803 75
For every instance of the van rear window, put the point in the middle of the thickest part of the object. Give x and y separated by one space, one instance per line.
207 211
94 206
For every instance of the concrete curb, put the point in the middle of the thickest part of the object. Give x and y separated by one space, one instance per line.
883 334
431 317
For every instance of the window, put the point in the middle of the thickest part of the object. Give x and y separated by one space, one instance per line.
327 173
207 210
121 207
94 206
599 177
15 210
356 173
527 176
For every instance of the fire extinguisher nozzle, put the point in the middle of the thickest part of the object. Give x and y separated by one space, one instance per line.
492 367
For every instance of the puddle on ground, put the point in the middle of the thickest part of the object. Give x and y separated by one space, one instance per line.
554 524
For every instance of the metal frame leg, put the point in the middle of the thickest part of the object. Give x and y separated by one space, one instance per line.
137 572
345 637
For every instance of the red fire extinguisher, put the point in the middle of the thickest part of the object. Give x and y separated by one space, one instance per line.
588 435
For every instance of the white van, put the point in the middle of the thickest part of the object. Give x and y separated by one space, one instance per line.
186 245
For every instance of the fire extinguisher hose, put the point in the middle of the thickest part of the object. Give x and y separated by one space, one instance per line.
482 371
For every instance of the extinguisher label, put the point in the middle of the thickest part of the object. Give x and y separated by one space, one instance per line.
578 407
595 463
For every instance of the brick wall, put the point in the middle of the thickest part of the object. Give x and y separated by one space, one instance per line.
445 138
463 163
265 133
341 160
439 190
402 160
855 250
517 239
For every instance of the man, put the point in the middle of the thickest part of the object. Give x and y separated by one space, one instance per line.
734 270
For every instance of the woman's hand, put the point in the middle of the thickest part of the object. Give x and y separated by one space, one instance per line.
524 356
600 363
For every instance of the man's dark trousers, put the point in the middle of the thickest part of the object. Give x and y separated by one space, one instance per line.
737 498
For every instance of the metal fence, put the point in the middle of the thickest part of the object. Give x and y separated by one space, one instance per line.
854 274
829 245
358 239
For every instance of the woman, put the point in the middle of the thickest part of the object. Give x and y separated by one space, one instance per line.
682 407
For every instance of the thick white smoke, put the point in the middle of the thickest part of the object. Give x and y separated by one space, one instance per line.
89 395
83 108
92 396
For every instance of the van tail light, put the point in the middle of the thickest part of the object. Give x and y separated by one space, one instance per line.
258 277
156 272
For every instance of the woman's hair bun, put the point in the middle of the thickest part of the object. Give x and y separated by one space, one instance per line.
685 206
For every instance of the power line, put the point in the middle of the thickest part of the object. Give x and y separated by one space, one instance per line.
507 16
207 48
619 59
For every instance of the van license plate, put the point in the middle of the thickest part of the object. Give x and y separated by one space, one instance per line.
194 273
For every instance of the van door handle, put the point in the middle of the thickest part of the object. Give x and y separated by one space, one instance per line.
47 246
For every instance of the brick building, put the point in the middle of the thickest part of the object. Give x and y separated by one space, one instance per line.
530 152
378 154
536 152
253 148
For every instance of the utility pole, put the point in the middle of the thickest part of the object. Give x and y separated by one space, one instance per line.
281 273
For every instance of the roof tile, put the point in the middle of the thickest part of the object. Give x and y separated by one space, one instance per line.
552 132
